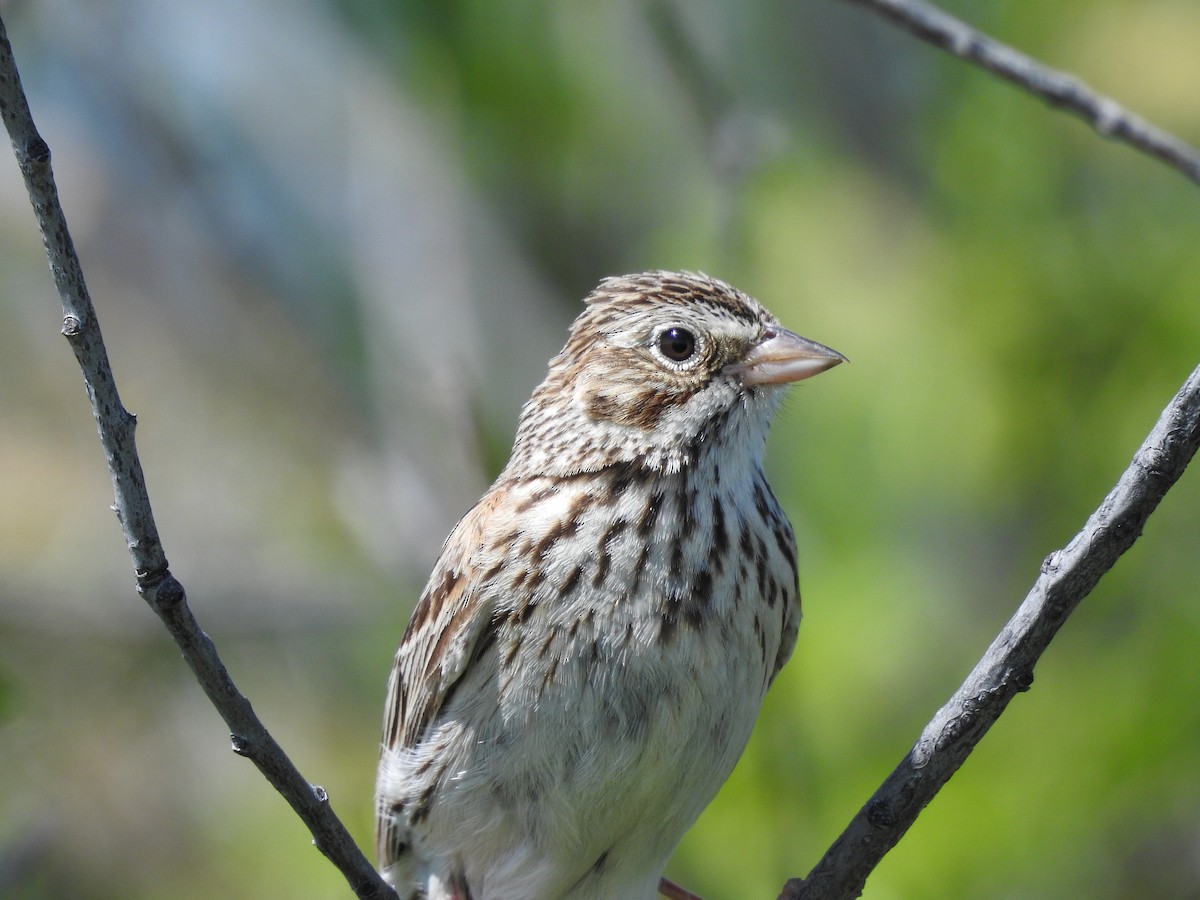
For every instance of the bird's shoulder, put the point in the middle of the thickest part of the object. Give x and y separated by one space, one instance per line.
446 626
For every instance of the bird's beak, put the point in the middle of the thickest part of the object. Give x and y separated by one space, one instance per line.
781 357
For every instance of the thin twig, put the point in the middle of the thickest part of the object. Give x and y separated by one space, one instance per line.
155 582
1067 576
1106 116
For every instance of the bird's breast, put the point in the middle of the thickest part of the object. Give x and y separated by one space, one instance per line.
628 600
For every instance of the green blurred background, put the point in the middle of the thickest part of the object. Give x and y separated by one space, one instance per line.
332 246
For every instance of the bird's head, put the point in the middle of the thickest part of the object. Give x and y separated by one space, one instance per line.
658 366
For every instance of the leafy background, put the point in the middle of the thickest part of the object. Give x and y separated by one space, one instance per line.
332 245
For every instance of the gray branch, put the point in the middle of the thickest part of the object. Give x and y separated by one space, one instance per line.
1106 116
155 583
1067 576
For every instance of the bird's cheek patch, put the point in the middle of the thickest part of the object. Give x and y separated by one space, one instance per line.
634 405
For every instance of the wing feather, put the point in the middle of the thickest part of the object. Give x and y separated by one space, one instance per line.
437 649
441 636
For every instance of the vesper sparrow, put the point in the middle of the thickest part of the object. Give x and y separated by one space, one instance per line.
587 660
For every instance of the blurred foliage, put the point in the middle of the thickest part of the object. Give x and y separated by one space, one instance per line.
332 244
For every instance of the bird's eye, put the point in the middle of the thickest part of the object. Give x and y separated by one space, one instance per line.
677 344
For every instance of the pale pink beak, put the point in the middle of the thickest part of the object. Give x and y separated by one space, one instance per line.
781 357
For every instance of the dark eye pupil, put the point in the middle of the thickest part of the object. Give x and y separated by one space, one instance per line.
677 344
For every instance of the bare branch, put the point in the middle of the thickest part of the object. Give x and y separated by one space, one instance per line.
155 582
1067 576
1106 116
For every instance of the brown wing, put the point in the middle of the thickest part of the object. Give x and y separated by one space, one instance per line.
437 648
441 636
787 639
